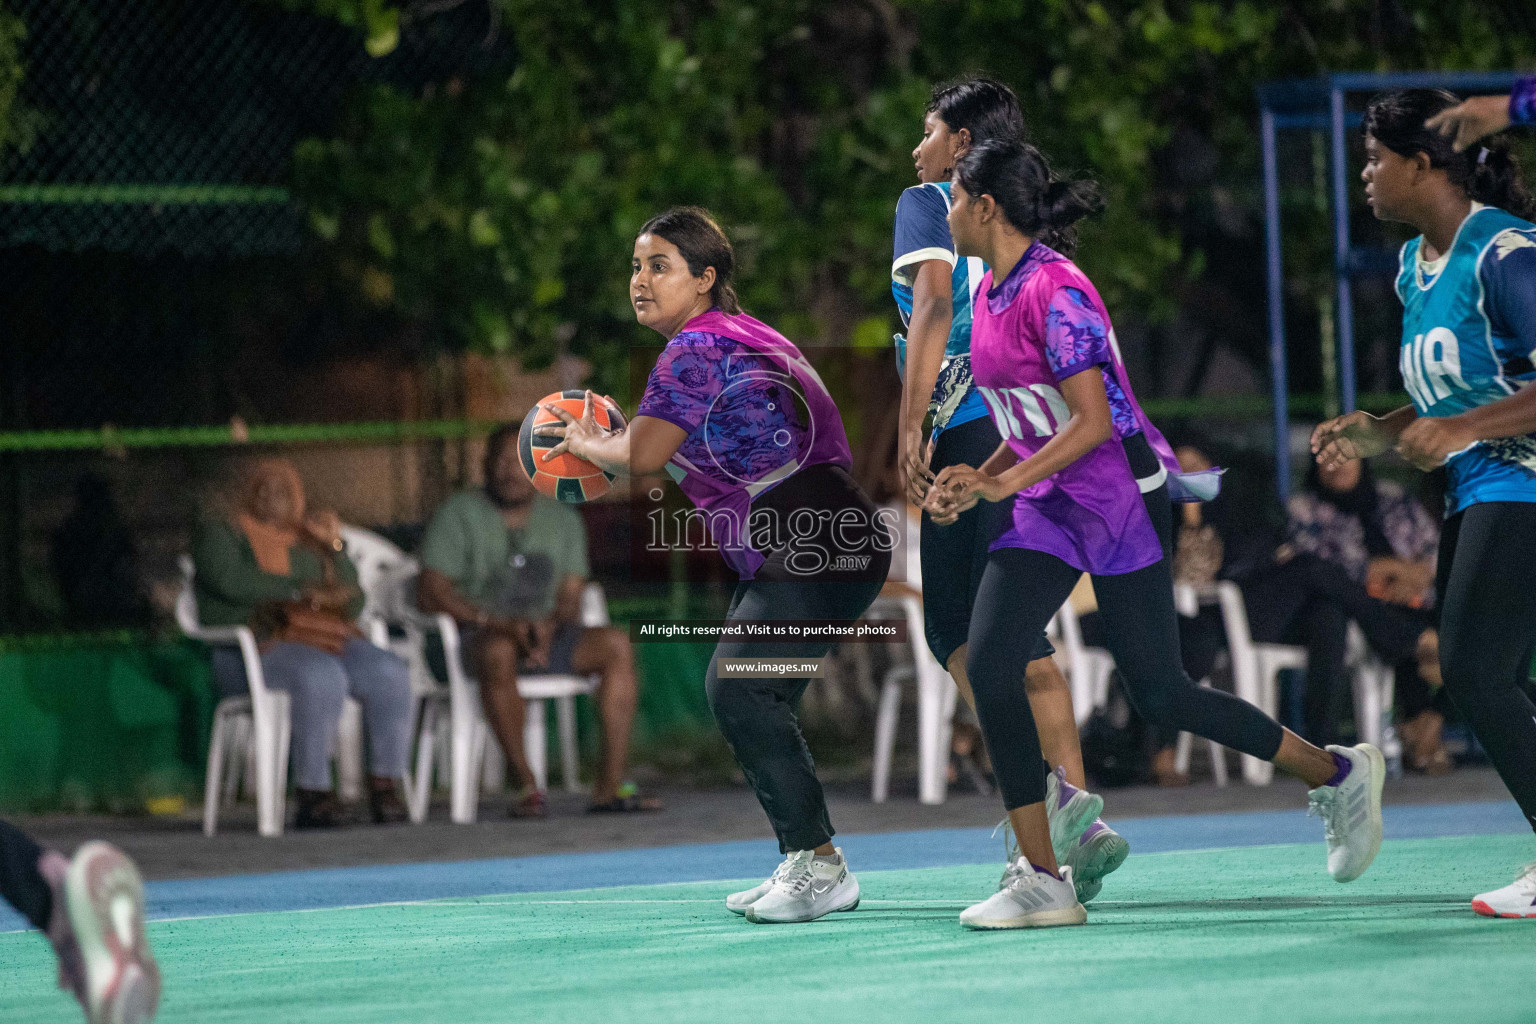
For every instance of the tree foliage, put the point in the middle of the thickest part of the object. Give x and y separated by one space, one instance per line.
498 208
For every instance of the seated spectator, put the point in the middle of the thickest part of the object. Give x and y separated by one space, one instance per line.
285 573
1356 549
510 565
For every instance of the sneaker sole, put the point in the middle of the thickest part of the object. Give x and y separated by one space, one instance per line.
751 916
1378 766
105 899
1103 855
1484 910
1041 919
1069 823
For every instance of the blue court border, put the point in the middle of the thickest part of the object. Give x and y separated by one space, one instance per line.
388 883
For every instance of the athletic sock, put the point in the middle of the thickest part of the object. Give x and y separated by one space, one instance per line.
829 859
1341 767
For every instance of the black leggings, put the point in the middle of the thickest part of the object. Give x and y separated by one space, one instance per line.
1020 592
758 716
954 556
20 883
1487 624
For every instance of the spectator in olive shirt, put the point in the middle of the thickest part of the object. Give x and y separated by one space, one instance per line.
510 566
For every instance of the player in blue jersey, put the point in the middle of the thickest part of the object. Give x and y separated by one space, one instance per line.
934 288
1468 287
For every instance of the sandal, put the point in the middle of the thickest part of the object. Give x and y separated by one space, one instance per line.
627 801
528 804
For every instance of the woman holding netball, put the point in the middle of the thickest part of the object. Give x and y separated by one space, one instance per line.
1089 480
739 418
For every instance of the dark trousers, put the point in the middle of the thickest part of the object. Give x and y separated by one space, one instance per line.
1311 601
1020 592
20 883
759 717
1486 581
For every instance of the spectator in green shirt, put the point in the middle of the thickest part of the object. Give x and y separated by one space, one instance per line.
269 555
510 566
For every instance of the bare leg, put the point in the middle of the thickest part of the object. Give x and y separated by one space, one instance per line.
1313 765
607 651
505 709
1050 699
1033 830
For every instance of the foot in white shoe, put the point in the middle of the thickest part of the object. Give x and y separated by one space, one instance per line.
105 898
1351 812
741 902
1518 899
1032 898
1098 851
1070 811
806 887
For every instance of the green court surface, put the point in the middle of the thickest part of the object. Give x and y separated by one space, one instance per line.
1254 934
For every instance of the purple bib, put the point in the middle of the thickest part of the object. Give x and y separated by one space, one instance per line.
756 412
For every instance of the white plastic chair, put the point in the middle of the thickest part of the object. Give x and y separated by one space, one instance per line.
1256 667
469 739
936 696
1186 600
260 718
1375 684
1087 668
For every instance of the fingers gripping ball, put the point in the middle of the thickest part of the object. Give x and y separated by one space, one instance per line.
565 476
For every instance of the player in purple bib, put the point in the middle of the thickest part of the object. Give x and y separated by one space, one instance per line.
736 414
1090 480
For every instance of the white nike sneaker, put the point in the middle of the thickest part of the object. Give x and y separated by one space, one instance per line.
1518 899
740 902
105 899
805 888
1351 812
1031 899
1097 852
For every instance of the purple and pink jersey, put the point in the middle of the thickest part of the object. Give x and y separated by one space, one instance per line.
1044 323
756 412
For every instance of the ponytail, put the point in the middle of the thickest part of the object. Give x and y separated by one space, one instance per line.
1018 177
1488 173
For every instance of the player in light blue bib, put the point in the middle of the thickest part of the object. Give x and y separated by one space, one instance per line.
1468 287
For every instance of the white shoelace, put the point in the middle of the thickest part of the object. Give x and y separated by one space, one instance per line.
1527 878
795 874
1323 801
1011 853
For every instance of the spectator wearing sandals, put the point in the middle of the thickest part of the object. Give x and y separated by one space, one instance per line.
284 572
510 566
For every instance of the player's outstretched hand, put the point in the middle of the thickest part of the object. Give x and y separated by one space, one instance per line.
1429 440
1471 120
1355 435
575 434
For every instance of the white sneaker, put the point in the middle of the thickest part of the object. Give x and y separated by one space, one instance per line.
1070 811
805 888
105 898
741 902
1097 852
1351 812
1518 899
1031 899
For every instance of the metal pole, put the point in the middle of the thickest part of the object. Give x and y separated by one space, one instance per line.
1341 256
1273 271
